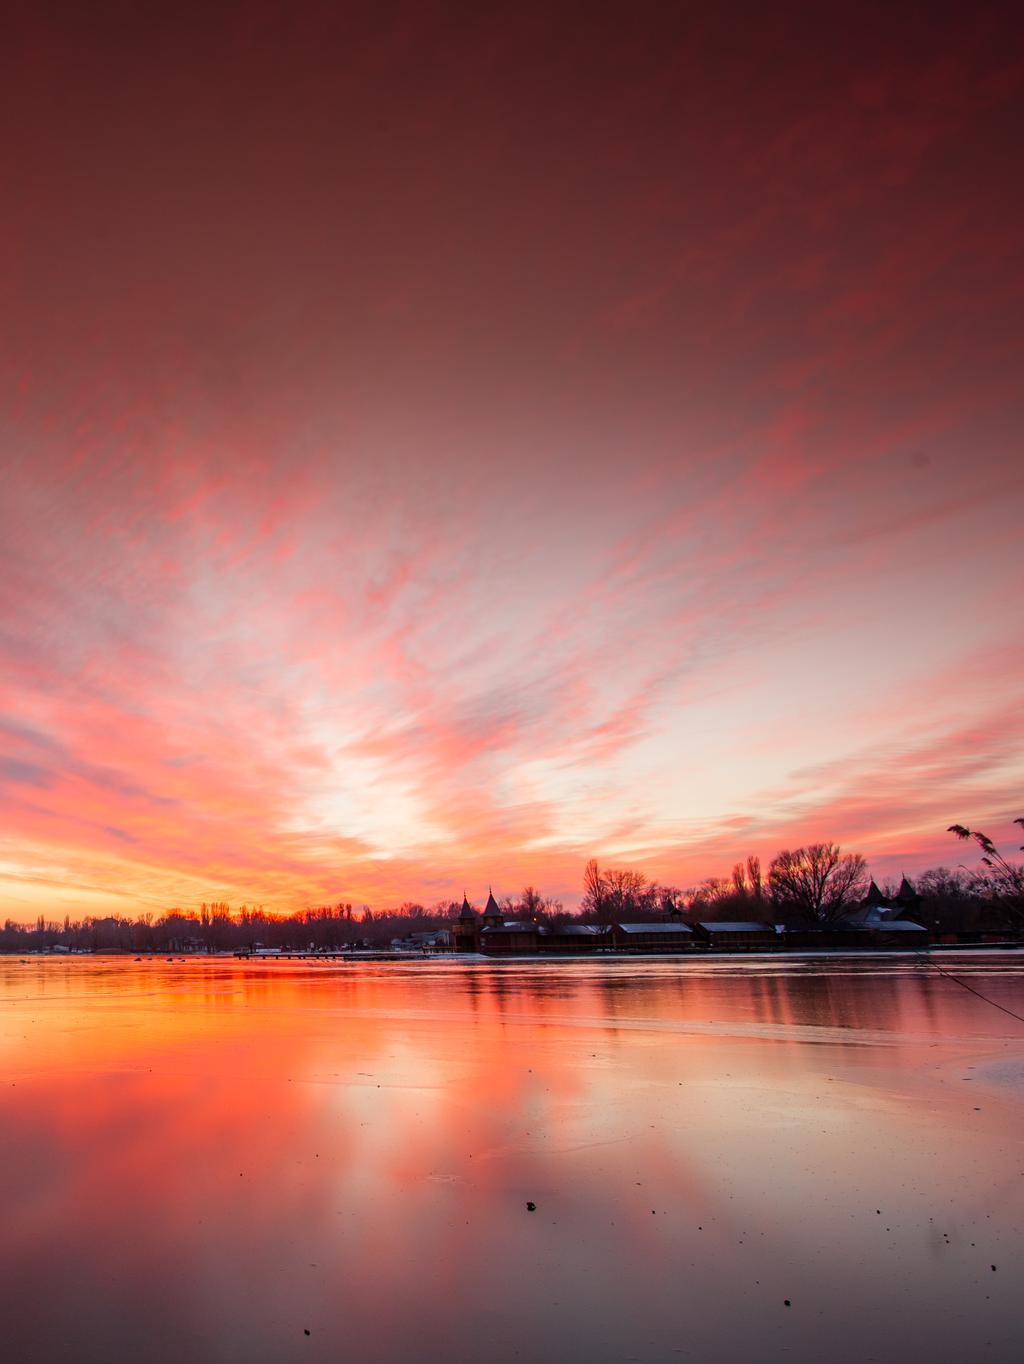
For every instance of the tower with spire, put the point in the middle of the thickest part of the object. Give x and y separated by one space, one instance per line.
493 917
466 929
907 899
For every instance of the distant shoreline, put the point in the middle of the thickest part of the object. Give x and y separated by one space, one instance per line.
483 959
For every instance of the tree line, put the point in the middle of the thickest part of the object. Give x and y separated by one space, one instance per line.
216 928
816 884
819 884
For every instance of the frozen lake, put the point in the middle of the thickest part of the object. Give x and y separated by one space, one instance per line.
207 1159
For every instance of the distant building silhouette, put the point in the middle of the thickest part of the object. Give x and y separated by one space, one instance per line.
878 921
465 933
883 917
874 898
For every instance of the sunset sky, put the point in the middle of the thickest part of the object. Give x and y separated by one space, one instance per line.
438 447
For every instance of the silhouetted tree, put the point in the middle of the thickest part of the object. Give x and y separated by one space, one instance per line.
619 895
754 882
818 882
531 903
595 892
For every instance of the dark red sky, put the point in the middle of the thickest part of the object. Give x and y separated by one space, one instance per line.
438 445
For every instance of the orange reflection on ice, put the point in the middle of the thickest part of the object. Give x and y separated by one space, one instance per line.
212 1157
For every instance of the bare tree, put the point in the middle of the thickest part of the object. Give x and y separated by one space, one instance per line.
531 903
714 889
629 891
754 877
618 894
818 882
595 891
957 884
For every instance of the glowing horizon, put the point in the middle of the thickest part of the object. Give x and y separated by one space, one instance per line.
405 499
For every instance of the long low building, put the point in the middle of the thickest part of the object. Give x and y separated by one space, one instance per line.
738 935
509 938
492 934
576 938
883 933
504 938
657 937
501 938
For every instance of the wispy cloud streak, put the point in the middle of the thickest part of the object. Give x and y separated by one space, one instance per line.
393 501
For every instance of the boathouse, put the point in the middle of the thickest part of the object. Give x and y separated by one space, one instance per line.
576 938
654 937
513 939
738 936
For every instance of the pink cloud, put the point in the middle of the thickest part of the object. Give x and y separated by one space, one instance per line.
393 498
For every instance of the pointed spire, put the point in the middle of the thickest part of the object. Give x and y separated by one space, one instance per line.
467 911
906 895
491 910
874 895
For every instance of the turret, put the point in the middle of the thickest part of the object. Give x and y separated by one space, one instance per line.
907 897
493 916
